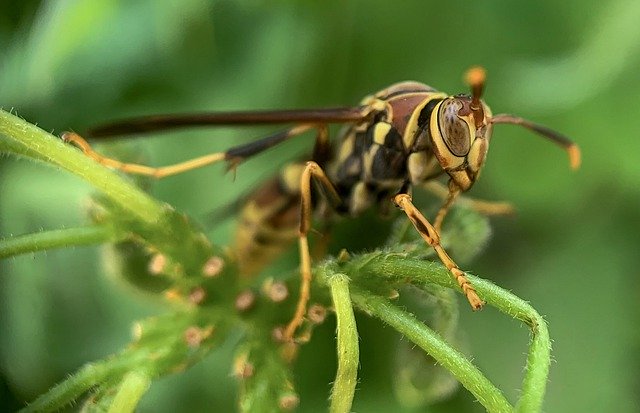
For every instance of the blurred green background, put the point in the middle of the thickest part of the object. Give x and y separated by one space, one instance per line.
572 250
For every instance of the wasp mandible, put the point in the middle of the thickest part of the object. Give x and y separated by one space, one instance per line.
402 137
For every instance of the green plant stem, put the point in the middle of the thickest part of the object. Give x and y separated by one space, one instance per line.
21 138
534 383
451 359
69 390
399 268
344 387
270 382
131 390
23 244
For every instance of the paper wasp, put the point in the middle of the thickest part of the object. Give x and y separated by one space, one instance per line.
402 137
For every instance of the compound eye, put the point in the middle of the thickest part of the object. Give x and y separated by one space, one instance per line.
455 131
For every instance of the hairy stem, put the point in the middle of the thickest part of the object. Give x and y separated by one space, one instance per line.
344 386
451 359
23 244
131 390
395 267
534 383
265 379
24 139
69 390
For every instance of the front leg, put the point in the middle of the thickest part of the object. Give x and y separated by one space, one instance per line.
432 237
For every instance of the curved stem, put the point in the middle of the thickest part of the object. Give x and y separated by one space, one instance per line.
398 267
451 359
24 139
539 353
24 244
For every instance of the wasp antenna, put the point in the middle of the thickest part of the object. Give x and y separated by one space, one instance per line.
475 78
572 149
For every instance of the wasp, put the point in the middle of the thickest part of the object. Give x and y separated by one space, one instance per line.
400 138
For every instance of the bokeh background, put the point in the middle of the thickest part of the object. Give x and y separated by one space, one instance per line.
572 250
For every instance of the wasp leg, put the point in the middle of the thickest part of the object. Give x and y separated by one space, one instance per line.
452 195
138 169
234 155
431 236
480 205
311 170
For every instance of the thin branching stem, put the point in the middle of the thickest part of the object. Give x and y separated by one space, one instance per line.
536 371
396 267
451 359
75 386
265 378
61 238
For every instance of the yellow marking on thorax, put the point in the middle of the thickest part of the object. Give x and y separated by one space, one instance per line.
380 132
346 147
411 131
367 161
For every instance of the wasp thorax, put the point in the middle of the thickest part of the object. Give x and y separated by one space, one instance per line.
455 130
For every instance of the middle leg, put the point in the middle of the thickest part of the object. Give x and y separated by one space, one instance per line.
311 171
482 206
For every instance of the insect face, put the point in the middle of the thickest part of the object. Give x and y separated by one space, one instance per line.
460 138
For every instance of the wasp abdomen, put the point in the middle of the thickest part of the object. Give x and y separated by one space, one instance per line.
269 221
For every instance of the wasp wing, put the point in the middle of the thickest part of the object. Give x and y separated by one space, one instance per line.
157 123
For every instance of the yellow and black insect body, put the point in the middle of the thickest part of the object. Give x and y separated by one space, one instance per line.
268 221
374 159
400 138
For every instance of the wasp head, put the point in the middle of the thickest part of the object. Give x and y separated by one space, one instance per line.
461 128
460 132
